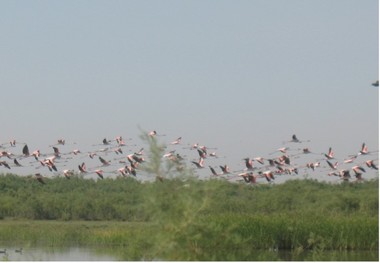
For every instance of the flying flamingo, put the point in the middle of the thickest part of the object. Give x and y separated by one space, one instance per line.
313 165
106 142
332 166
50 164
268 175
25 150
131 169
225 169
92 155
358 169
154 133
282 149
123 171
284 159
213 154
213 171
56 151
16 163
12 143
330 154
294 138
68 173
202 153
82 168
140 152
36 154
345 175
177 141
103 161
194 146
99 172
259 160
248 177
200 163
5 164
305 150
6 154
169 154
76 152
364 149
135 158
118 150
248 163
120 141
371 164
350 160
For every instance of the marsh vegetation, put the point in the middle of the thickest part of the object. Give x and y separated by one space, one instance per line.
183 218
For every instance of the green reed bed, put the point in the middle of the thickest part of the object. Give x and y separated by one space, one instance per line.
62 233
287 231
222 237
188 219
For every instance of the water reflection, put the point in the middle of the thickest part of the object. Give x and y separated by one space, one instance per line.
121 254
55 254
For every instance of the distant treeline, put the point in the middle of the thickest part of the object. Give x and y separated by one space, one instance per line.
126 199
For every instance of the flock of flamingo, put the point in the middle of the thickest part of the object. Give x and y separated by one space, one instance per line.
115 157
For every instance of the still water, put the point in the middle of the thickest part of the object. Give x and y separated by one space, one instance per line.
54 254
118 254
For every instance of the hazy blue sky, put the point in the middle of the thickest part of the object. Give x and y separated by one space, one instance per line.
242 76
